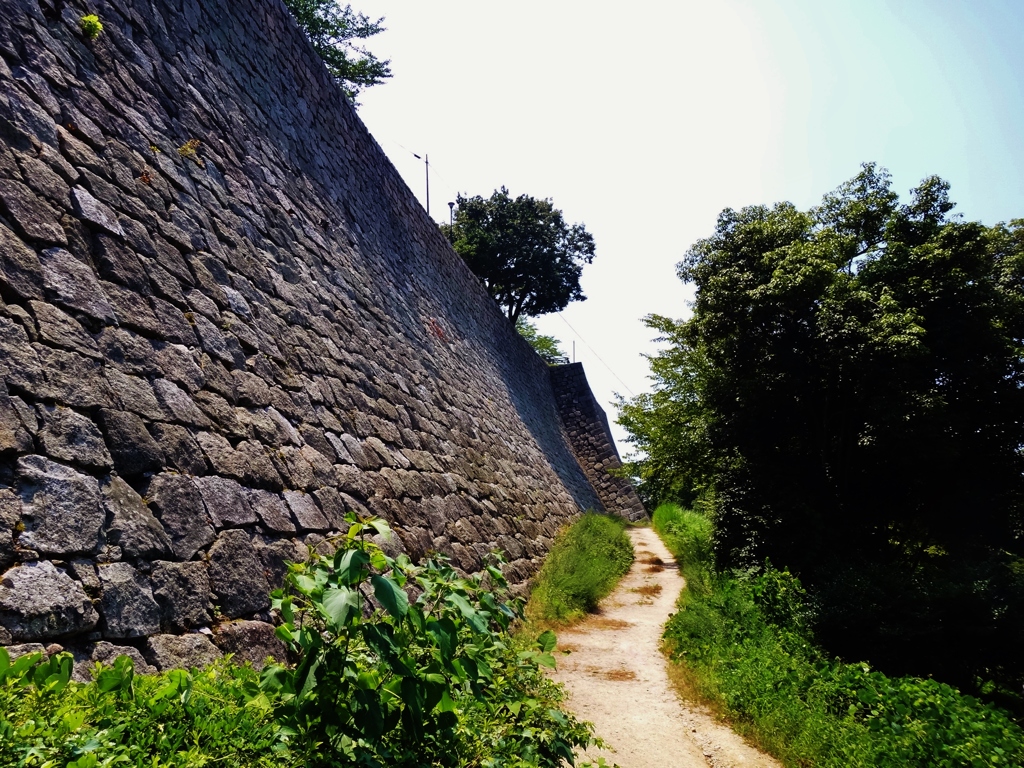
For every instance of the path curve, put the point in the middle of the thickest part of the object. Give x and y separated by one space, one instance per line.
617 677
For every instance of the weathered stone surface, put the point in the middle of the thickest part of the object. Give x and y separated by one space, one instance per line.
305 511
178 405
178 504
10 517
38 601
36 219
252 641
61 507
182 591
106 653
70 436
272 511
133 449
20 270
275 556
72 284
59 328
130 524
226 501
96 213
181 651
236 575
180 449
128 607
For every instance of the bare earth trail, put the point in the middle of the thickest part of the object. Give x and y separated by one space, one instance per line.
617 677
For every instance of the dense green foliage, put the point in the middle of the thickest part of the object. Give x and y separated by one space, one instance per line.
528 258
545 346
744 638
380 680
586 561
847 400
332 29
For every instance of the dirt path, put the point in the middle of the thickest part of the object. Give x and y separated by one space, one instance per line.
617 678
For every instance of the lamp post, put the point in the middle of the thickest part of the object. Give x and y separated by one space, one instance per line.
451 222
426 164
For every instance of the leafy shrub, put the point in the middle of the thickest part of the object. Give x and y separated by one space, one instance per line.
177 719
744 639
584 564
381 680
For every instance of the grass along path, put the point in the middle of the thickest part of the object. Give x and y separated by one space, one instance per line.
617 677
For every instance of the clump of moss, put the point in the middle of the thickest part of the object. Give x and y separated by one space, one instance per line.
91 26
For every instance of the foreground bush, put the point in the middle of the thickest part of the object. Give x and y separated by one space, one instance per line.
745 641
585 563
380 680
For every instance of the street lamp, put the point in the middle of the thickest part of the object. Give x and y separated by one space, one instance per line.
451 222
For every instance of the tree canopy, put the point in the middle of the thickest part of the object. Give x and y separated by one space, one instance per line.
528 258
848 399
546 346
332 29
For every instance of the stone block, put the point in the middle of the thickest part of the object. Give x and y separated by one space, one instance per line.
61 507
72 284
236 575
179 506
133 449
182 590
131 525
181 651
69 436
252 641
127 603
305 510
39 601
226 501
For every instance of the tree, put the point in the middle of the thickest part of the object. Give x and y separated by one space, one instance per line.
848 396
332 29
545 346
528 258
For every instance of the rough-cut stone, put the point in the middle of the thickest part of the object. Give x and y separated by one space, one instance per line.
33 216
180 508
132 448
252 641
71 283
59 328
272 511
130 524
226 502
127 603
20 270
61 507
183 592
305 510
181 651
276 555
180 448
10 517
236 575
70 436
39 601
106 653
92 210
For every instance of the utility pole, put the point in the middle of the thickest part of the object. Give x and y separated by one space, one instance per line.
426 164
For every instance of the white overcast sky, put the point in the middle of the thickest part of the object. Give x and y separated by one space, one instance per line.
644 120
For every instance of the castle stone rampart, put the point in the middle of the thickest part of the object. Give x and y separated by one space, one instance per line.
225 322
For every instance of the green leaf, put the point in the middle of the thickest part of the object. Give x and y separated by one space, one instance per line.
446 704
476 621
546 659
547 641
390 595
380 526
340 604
350 566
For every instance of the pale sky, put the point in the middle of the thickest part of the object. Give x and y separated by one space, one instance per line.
643 121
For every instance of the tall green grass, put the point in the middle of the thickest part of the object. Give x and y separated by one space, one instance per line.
585 563
746 644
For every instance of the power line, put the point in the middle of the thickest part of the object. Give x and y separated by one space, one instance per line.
613 373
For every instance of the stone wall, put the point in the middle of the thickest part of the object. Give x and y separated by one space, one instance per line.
226 321
592 441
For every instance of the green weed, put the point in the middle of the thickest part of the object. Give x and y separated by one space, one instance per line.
91 26
584 564
745 641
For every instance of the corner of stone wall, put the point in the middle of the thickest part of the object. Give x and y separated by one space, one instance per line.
591 438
